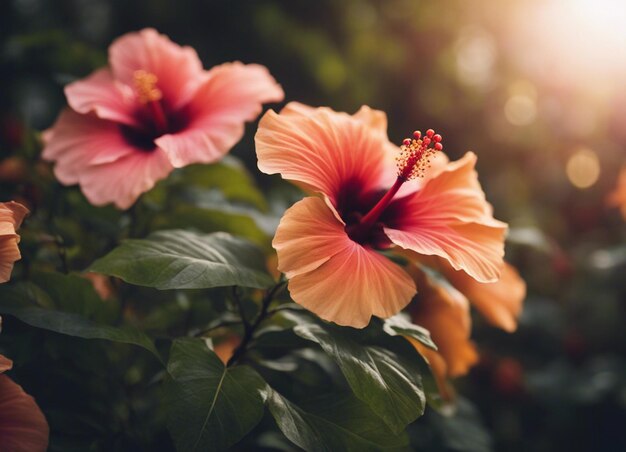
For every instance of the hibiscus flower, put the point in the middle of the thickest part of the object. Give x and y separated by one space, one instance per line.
11 216
152 110
23 427
330 247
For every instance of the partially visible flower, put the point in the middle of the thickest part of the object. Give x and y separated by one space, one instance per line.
499 302
329 246
101 284
152 110
444 311
11 216
226 347
23 427
617 198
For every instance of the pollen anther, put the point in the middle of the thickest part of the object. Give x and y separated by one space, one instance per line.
145 85
415 154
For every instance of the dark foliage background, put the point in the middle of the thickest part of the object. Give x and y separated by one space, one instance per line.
469 70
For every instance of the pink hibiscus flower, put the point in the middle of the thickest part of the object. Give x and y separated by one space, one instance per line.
329 246
152 110
11 216
23 427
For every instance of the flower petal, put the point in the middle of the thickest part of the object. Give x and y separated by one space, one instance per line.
449 217
102 95
178 69
11 216
332 276
445 313
124 180
23 427
77 141
499 302
231 94
324 150
5 363
9 254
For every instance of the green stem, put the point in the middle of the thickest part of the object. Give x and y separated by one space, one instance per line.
249 333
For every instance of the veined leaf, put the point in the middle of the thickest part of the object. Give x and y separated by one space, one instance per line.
389 384
400 325
210 406
179 259
337 422
24 300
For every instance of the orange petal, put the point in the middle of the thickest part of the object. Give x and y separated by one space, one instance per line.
322 150
5 363
617 198
445 313
225 349
332 276
23 427
499 302
438 367
11 216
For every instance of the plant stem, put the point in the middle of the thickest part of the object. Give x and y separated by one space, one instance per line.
249 332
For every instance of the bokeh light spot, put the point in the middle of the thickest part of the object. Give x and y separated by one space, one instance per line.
583 168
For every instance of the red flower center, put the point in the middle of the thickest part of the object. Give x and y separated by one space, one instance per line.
413 161
154 115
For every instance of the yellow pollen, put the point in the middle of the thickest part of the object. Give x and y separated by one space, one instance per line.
414 159
145 85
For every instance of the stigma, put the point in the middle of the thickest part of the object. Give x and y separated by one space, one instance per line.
145 86
415 154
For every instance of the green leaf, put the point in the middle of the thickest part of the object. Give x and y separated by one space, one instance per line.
23 301
400 325
180 259
230 177
389 384
210 406
337 422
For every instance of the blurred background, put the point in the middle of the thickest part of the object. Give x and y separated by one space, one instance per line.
537 88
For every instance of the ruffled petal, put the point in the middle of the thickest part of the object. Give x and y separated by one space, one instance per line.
332 276
232 94
105 97
178 69
449 217
9 254
23 427
124 180
499 302
77 141
323 150
445 313
11 216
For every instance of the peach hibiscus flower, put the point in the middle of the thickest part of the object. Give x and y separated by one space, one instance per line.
152 110
330 246
11 216
23 427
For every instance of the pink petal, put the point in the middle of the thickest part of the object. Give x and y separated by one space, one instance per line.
323 150
23 427
77 141
178 69
231 94
450 218
124 180
332 276
100 94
